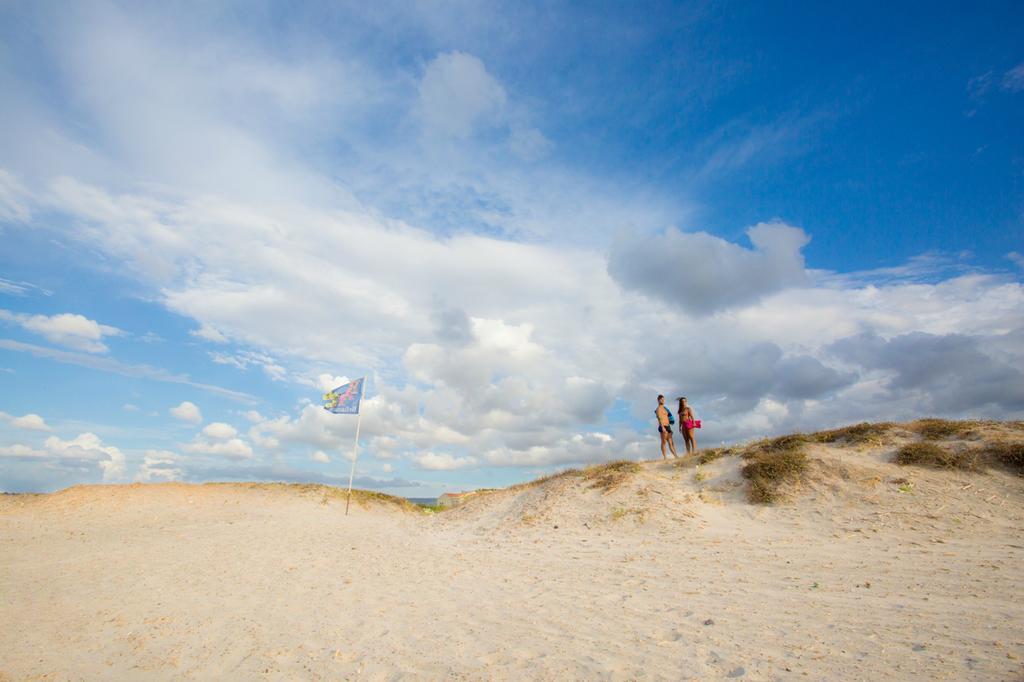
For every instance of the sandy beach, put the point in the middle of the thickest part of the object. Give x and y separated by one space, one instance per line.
871 571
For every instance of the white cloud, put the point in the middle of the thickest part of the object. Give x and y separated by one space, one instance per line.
434 461
234 448
65 329
106 364
88 447
29 422
321 457
243 359
327 382
210 333
15 205
1013 80
219 431
1017 259
702 273
20 288
457 96
129 407
21 451
187 412
159 465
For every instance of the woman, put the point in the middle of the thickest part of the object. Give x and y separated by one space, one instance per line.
687 426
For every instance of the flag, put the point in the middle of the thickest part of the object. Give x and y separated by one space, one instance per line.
344 399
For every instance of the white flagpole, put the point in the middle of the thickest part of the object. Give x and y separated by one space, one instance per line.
355 454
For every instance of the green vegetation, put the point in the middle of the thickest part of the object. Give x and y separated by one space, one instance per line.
855 434
1004 453
620 513
925 453
788 443
609 476
706 456
711 454
602 476
327 493
937 429
772 463
567 473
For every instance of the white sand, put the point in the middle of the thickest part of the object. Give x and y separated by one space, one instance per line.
663 578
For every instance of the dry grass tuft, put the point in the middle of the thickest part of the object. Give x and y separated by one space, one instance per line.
619 513
712 454
855 434
327 493
773 463
929 454
937 429
567 473
609 476
769 472
768 446
1005 453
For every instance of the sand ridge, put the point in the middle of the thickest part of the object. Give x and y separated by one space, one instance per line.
869 571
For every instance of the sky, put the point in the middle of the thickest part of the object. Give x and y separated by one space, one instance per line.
521 222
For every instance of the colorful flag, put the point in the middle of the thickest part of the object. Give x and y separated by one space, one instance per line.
344 399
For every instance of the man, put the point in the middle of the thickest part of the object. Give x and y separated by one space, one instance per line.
665 422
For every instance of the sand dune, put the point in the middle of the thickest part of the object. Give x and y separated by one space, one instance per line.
866 570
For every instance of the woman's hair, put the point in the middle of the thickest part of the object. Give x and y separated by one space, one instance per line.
681 402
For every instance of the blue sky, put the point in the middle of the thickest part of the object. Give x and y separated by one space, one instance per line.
521 222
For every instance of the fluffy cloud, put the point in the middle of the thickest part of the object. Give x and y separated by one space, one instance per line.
29 422
243 359
701 273
321 457
209 333
219 431
433 461
187 412
87 447
327 382
950 372
736 376
159 465
457 96
233 448
65 329
21 451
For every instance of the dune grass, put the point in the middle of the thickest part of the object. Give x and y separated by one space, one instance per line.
938 429
607 477
1005 453
863 433
772 464
566 473
328 493
927 453
602 476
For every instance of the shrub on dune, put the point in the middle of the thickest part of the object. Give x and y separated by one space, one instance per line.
772 464
929 454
